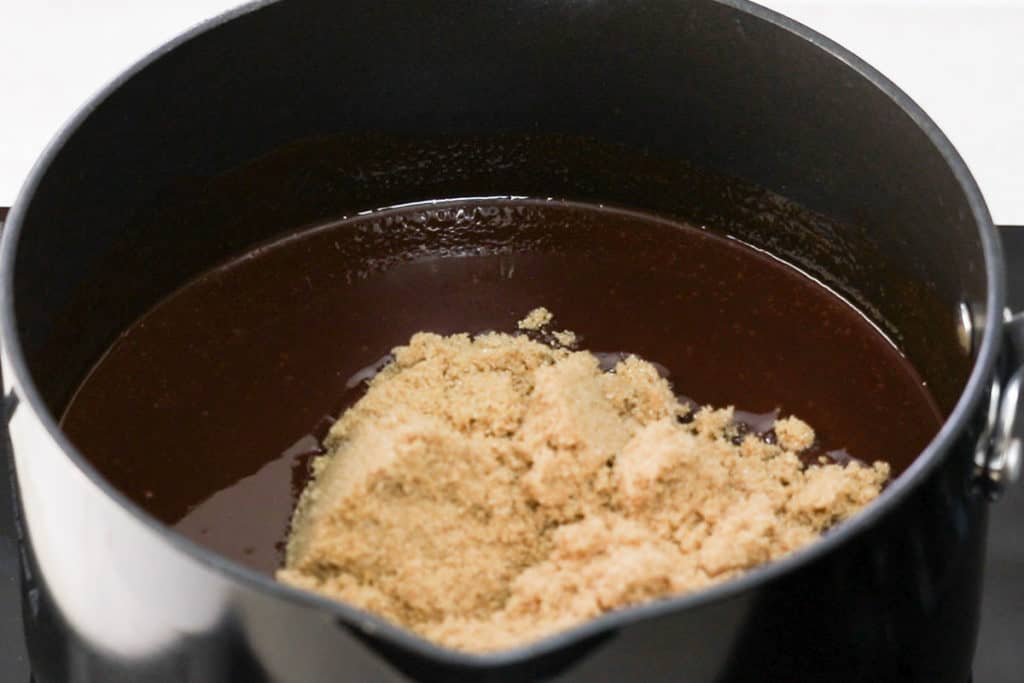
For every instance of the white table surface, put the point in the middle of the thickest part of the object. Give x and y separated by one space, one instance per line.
962 60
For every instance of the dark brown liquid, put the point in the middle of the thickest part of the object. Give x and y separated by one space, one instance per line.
207 410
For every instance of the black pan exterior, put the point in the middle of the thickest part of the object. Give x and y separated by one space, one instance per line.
727 86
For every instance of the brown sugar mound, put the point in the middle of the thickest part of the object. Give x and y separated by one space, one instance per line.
489 491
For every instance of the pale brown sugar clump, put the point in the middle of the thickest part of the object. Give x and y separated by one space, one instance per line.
536 319
492 490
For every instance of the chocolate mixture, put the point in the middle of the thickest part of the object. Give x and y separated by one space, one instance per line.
208 409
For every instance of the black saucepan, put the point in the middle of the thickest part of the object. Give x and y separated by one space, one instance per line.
593 101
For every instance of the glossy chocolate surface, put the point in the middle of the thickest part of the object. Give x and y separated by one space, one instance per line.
207 409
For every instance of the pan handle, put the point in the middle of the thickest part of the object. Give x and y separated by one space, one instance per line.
999 453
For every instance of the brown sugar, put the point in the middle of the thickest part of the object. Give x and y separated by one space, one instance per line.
536 319
492 490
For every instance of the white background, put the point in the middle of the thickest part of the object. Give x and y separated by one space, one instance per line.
962 60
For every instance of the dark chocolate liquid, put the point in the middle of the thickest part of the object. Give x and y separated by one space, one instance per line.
207 410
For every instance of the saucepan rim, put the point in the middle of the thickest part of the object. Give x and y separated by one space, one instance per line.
379 629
